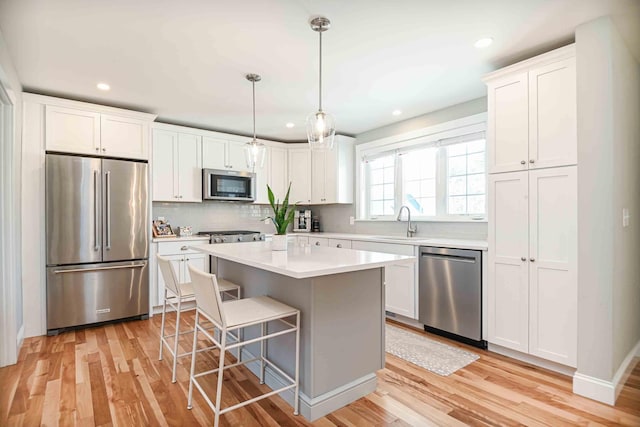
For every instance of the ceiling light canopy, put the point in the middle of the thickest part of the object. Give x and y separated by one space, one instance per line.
320 125
254 151
396 112
103 86
483 42
290 125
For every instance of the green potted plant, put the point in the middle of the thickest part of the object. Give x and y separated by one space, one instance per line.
282 217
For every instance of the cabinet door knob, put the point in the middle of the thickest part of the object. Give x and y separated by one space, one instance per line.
522 162
532 161
97 148
317 243
339 245
184 248
532 259
180 197
104 149
523 259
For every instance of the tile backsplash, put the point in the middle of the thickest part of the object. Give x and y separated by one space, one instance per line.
209 216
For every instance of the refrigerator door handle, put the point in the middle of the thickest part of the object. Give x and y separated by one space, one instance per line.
108 209
96 247
84 270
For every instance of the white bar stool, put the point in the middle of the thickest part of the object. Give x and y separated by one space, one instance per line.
175 293
233 316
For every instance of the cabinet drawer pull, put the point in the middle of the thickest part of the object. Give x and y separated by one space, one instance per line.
522 162
184 248
532 259
339 245
532 161
317 243
523 259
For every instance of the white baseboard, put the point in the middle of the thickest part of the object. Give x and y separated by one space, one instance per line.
534 360
315 408
602 390
19 339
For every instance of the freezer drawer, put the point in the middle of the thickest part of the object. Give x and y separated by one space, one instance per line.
83 294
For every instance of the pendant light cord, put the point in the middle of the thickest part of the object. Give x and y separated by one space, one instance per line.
320 85
254 110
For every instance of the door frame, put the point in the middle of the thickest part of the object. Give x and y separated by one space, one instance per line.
10 338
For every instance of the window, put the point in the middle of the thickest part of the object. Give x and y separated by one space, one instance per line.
436 178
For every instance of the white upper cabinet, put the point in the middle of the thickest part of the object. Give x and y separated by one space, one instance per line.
220 153
274 173
507 128
552 115
532 113
278 176
81 128
72 131
124 137
299 176
176 167
214 152
332 173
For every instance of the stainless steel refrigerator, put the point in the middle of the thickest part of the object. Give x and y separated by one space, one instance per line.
97 240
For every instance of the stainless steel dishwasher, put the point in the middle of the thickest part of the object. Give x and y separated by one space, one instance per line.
450 293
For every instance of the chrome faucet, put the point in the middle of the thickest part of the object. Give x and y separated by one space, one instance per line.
410 230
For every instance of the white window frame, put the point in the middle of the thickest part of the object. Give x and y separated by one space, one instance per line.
451 129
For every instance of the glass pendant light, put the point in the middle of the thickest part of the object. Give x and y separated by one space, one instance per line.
254 151
320 125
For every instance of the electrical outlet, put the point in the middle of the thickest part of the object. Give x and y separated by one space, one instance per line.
352 220
625 217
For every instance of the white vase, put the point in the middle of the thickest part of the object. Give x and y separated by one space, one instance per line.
279 242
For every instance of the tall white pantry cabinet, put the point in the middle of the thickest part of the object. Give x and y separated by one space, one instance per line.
532 162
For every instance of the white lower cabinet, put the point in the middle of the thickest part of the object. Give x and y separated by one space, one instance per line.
400 280
533 262
181 256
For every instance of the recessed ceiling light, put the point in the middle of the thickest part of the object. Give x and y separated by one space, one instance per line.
290 125
103 86
483 42
396 112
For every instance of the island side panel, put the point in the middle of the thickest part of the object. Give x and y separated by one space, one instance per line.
294 292
348 334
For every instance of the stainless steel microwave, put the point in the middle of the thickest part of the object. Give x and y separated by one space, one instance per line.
219 184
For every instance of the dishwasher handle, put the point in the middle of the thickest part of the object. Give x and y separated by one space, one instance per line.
447 257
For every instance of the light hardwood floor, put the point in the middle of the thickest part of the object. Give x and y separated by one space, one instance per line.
111 376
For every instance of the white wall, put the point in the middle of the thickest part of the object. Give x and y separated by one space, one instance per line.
335 218
10 81
608 180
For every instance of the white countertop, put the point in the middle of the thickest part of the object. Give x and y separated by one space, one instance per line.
302 262
480 245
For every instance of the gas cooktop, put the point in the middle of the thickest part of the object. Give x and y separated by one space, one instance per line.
231 236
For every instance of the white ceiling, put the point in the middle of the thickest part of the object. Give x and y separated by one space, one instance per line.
186 60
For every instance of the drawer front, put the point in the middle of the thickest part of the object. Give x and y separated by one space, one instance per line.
318 241
340 243
173 248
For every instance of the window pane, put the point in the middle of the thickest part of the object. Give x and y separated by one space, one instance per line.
457 165
388 191
376 192
475 184
476 204
412 188
377 176
476 146
456 150
388 207
428 188
376 208
428 205
457 186
457 205
388 175
476 163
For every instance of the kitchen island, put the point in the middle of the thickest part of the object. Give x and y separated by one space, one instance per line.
340 294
